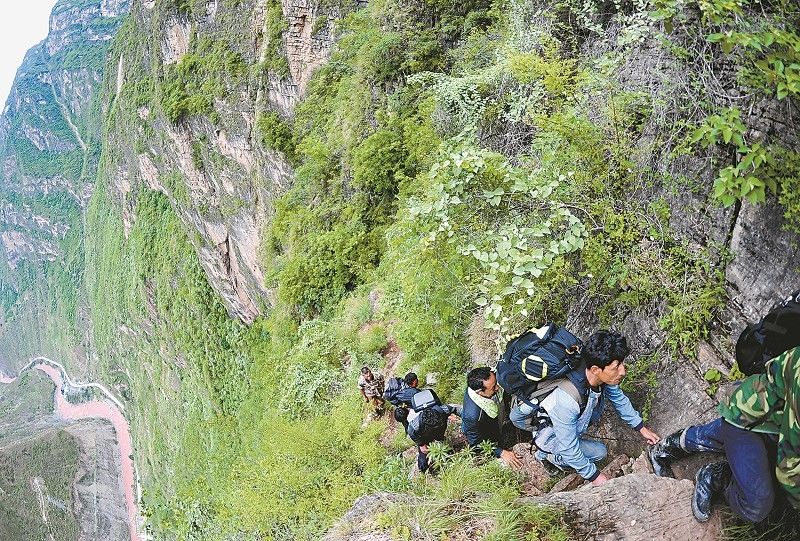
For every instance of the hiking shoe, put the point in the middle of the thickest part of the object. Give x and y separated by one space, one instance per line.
551 468
709 482
664 452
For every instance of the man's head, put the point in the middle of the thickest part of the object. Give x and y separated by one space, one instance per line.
367 373
401 414
411 379
604 354
483 381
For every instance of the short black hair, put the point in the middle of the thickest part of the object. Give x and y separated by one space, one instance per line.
477 376
605 347
365 370
410 378
401 414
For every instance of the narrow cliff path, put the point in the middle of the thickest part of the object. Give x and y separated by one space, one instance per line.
68 118
109 408
37 483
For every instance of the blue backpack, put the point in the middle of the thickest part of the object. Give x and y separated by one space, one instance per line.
393 388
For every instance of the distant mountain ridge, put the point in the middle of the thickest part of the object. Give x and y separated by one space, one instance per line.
49 149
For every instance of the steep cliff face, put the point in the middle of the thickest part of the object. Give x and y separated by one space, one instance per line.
49 147
213 167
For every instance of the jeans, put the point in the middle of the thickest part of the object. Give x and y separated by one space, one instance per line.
751 491
547 443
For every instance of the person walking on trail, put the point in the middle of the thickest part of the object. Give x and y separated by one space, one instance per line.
429 426
759 432
577 401
371 387
410 388
480 419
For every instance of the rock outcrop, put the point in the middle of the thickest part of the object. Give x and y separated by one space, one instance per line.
636 507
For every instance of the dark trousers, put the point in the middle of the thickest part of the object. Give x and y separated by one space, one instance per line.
422 460
751 492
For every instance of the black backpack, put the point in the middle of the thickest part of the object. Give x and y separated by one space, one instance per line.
537 356
777 332
394 386
432 426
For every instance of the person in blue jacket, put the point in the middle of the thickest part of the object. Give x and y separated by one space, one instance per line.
410 388
577 402
481 411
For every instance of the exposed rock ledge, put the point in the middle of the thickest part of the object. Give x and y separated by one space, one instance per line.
635 507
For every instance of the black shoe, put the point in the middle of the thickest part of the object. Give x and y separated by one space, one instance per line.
664 452
709 482
552 470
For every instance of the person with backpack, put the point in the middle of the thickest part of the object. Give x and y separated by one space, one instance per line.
371 388
399 391
480 419
567 406
429 424
759 432
410 388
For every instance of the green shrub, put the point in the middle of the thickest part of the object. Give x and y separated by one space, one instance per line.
276 134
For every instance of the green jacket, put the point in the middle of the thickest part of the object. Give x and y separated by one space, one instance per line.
770 402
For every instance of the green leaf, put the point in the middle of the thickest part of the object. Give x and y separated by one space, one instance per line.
712 375
698 134
727 47
481 301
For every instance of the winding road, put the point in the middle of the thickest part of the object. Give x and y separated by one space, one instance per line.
109 408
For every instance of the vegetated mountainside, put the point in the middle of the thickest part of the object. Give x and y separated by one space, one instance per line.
49 147
289 190
59 480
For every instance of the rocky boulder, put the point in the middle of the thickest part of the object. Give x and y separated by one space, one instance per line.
634 507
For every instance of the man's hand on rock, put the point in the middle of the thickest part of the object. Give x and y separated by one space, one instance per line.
651 437
510 458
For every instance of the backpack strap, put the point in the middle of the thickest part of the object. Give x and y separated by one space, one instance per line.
565 384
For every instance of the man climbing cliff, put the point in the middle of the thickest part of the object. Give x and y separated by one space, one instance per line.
410 388
480 419
577 402
759 432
